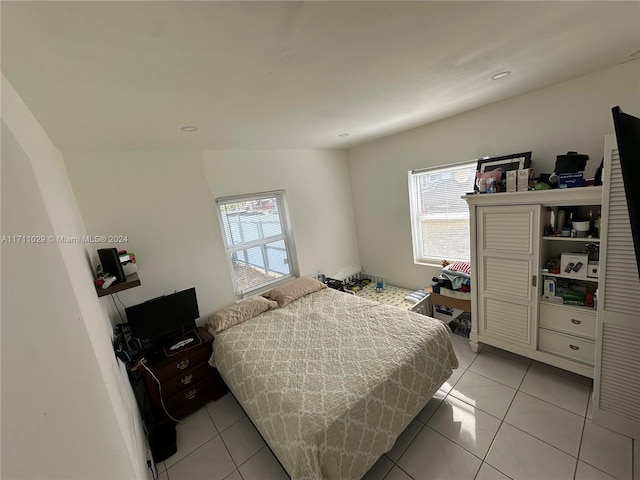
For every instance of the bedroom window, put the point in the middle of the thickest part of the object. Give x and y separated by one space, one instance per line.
258 240
439 217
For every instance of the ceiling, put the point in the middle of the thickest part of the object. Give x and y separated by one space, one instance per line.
251 75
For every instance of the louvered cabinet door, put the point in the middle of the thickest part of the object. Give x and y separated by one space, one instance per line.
617 376
507 256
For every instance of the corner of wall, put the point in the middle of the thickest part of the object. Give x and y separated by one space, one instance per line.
62 210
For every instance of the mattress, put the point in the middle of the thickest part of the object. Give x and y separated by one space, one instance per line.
389 295
332 379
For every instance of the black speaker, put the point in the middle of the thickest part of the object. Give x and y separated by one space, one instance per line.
110 261
162 441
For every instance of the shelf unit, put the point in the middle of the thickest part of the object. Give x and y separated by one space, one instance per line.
573 307
130 282
569 331
571 239
509 249
568 277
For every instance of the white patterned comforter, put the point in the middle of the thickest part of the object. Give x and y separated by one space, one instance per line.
331 379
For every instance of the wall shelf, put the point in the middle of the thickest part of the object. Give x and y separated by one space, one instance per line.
571 277
572 239
130 282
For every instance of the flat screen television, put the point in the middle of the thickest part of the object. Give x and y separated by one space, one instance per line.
628 135
164 317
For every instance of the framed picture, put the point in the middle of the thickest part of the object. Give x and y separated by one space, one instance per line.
515 161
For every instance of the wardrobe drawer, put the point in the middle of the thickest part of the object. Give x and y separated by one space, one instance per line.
568 319
567 346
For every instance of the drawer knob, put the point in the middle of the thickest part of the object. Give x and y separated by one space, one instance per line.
186 380
182 364
574 347
576 322
190 395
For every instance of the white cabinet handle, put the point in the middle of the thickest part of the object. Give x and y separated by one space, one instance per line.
576 322
574 347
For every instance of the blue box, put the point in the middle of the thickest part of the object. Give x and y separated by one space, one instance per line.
570 180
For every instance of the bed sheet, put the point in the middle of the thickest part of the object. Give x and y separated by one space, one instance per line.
332 379
389 295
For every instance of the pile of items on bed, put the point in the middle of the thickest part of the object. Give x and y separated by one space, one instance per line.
452 296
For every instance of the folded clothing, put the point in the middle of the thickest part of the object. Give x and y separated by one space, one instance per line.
415 297
460 268
464 284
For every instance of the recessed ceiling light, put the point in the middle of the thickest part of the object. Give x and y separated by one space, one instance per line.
500 75
188 128
343 135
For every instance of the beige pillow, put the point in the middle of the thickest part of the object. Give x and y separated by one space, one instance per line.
239 312
293 290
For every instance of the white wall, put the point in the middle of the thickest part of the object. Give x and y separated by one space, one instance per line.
67 411
573 115
318 192
165 203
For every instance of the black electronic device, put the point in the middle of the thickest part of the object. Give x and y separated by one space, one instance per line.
570 162
333 283
165 317
126 348
628 135
110 261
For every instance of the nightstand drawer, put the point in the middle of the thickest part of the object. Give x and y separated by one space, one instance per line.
174 366
190 399
184 379
568 319
566 346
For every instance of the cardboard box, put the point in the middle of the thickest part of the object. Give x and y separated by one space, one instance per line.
512 179
593 270
446 314
524 176
456 303
574 265
570 180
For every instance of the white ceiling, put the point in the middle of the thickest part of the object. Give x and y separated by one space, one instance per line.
127 75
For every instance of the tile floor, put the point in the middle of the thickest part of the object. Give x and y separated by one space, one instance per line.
499 416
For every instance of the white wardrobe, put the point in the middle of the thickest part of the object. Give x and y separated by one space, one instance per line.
617 373
509 253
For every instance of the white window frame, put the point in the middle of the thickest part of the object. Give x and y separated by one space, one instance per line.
416 217
286 236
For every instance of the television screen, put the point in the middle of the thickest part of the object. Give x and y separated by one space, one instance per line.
628 136
165 316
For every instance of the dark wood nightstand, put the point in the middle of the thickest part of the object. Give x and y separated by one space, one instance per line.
184 381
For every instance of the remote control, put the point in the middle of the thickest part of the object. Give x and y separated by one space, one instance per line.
181 343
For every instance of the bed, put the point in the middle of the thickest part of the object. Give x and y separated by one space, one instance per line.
330 379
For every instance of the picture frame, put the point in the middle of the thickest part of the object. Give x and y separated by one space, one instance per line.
515 161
